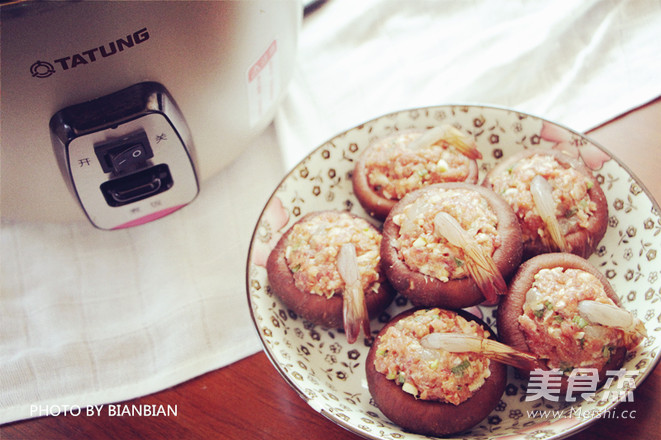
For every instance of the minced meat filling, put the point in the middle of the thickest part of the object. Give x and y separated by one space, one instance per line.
570 193
555 330
422 249
313 245
432 374
394 170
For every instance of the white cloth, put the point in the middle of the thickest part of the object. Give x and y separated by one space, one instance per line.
90 317
576 63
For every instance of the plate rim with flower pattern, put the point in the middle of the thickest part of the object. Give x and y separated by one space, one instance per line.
329 375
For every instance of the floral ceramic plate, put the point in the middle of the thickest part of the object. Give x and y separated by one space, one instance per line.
329 373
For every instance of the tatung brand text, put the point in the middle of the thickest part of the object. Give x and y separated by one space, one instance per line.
44 69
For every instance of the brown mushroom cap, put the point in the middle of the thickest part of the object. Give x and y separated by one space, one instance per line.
318 309
427 417
511 307
376 205
583 241
426 291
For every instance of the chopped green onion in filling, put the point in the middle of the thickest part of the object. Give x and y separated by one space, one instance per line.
459 369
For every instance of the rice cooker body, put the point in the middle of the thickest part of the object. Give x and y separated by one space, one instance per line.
221 67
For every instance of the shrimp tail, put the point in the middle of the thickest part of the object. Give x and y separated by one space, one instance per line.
447 133
481 266
486 275
542 195
499 352
354 307
610 315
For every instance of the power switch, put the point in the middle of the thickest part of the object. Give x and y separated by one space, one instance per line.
125 154
128 155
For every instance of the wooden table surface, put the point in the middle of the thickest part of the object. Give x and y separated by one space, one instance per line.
249 400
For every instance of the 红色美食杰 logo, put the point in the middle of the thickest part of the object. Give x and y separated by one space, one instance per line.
44 69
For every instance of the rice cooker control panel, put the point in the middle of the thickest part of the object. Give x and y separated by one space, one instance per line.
127 156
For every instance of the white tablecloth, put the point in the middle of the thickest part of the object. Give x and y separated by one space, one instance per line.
578 63
90 317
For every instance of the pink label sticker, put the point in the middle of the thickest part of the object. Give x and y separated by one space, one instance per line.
263 80
262 61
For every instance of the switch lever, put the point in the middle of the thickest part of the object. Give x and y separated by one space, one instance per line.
125 154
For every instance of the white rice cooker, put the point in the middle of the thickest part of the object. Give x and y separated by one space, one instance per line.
124 108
